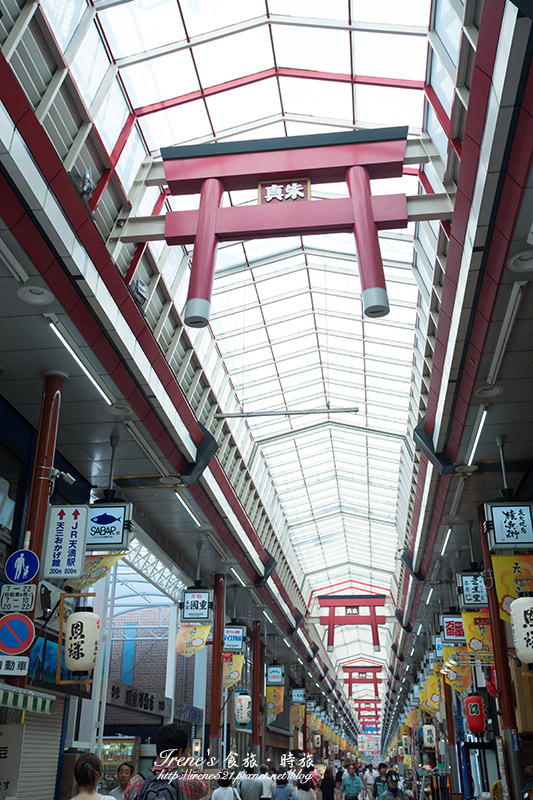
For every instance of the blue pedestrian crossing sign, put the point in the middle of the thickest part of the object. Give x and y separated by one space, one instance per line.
22 566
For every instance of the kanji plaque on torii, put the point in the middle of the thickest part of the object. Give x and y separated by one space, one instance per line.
367 674
352 616
352 157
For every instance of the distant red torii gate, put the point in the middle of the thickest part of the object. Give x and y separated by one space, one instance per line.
354 157
358 675
352 617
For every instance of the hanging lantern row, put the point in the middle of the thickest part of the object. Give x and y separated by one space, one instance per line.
429 736
475 714
521 612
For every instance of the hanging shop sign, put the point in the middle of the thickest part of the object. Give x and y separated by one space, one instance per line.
135 699
275 675
472 590
298 695
452 628
458 672
522 626
17 598
10 749
510 525
274 702
108 526
512 574
475 714
235 638
478 634
66 529
310 706
196 605
438 647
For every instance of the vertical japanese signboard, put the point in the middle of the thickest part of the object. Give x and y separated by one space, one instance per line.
510 525
66 528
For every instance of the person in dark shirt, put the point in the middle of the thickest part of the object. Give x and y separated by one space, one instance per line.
327 785
380 784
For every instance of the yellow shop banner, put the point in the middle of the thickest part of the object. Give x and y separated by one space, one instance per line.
478 633
298 714
94 568
232 670
191 638
459 676
511 575
274 701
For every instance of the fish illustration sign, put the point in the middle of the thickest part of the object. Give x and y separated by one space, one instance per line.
107 526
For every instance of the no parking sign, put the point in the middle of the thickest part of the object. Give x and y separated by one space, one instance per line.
16 634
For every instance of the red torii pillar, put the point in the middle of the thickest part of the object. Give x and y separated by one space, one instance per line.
358 675
352 157
352 604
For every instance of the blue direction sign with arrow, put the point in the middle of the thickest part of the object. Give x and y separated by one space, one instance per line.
16 634
22 566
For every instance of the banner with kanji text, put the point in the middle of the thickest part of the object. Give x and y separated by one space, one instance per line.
512 574
191 638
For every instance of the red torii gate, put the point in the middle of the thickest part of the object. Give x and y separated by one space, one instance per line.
352 604
352 156
358 675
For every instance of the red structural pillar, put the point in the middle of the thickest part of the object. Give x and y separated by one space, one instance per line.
216 665
503 673
198 306
256 687
41 481
374 292
374 627
331 628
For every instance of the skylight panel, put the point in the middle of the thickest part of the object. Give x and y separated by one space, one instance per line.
382 105
202 16
90 65
233 56
316 98
317 9
141 26
176 125
415 12
236 107
160 78
64 18
312 48
405 59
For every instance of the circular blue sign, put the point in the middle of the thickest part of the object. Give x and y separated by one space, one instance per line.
22 566
16 634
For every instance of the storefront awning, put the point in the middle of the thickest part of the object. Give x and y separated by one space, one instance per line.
26 700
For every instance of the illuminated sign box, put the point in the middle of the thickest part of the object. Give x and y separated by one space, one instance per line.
510 525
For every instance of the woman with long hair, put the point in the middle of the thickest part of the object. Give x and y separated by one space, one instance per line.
87 772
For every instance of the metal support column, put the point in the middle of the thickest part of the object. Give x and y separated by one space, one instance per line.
170 677
256 687
216 666
42 480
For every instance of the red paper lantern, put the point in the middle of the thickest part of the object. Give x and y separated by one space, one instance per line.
490 680
475 714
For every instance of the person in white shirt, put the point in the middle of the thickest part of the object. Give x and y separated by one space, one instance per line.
124 775
368 780
267 782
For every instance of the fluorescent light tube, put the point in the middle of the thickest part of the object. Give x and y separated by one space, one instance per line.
187 509
476 434
517 292
80 361
232 569
269 618
446 540
428 598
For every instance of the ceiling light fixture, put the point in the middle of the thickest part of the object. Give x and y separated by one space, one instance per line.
269 618
145 446
428 598
476 433
517 292
521 262
286 413
80 358
232 569
218 546
35 295
446 540
187 509
287 641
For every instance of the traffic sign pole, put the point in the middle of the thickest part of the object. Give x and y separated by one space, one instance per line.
41 481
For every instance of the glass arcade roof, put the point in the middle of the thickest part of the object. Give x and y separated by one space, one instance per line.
287 313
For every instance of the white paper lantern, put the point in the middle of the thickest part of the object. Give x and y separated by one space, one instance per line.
521 612
243 709
429 736
400 751
82 632
316 740
406 742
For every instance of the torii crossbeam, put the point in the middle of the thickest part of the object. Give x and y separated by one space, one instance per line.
353 157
